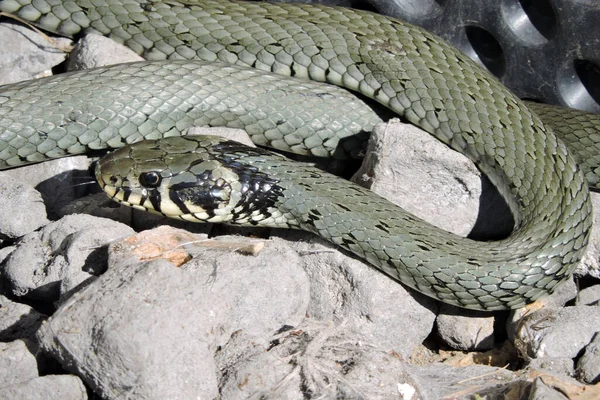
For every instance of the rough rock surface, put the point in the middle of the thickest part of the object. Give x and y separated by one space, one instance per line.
24 210
18 320
588 366
168 314
414 169
48 263
465 329
96 51
26 54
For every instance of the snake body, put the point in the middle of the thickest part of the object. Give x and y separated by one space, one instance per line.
405 69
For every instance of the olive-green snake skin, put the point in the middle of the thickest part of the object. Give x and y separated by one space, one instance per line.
402 67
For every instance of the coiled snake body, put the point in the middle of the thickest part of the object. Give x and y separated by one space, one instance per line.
402 67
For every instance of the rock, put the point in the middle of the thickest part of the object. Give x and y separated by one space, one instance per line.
59 181
23 210
439 381
589 296
541 391
588 366
93 51
416 171
50 387
465 329
314 359
239 135
350 291
17 364
164 323
561 366
552 333
590 264
99 205
18 321
549 386
70 248
26 54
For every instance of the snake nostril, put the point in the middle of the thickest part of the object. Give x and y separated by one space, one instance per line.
113 180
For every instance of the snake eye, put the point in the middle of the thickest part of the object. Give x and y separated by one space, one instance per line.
150 179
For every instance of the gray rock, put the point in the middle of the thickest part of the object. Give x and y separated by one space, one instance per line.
352 292
150 329
5 251
554 365
22 210
314 359
59 181
589 296
590 264
552 333
100 205
439 381
416 171
541 391
26 55
239 135
465 329
588 366
49 387
18 321
70 247
96 51
17 364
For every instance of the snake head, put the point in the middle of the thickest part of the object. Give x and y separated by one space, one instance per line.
194 178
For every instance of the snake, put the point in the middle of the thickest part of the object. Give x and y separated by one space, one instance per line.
403 68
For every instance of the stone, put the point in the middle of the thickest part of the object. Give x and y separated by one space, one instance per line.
416 171
23 210
588 366
557 333
17 320
589 296
93 51
561 366
541 391
319 359
26 54
350 291
17 364
439 381
59 181
50 387
71 247
164 323
465 329
590 264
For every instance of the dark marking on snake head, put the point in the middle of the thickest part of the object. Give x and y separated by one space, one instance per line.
155 199
206 194
259 193
126 193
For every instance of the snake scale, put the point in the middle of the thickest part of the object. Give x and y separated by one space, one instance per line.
411 72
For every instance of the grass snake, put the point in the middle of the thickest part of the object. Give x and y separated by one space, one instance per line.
405 69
